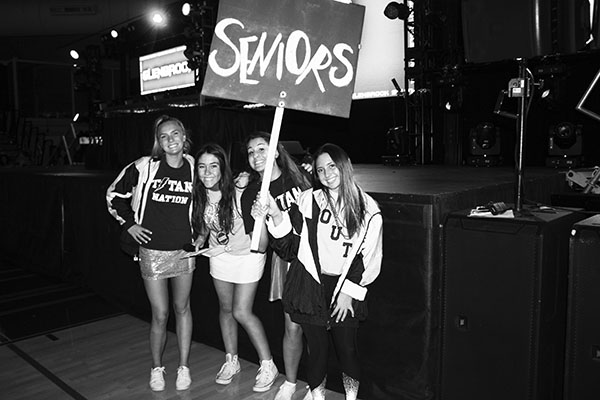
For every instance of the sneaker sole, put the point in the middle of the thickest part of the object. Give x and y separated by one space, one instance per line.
227 381
159 389
182 387
265 388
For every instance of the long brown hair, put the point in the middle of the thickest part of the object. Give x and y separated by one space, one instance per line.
285 162
200 197
349 193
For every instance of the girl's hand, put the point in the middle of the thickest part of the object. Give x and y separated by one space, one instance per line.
342 307
260 210
199 242
140 234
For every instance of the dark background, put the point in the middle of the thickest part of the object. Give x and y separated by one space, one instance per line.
464 54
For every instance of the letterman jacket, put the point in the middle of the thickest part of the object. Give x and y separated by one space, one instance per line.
126 197
361 267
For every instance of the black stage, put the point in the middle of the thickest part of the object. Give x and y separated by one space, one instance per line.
56 223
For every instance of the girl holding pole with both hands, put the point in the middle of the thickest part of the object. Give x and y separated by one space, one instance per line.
334 256
287 182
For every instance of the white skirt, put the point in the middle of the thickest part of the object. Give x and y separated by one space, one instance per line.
238 269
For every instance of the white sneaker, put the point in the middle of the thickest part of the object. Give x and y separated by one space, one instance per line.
228 370
267 373
184 380
157 379
308 395
286 391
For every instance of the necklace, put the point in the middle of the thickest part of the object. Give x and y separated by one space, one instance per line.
336 217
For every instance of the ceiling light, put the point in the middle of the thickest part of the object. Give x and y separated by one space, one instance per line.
396 10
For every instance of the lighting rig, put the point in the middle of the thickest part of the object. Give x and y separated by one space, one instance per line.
198 32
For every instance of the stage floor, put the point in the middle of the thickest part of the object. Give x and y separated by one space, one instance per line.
438 179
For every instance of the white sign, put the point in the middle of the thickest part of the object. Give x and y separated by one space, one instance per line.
165 70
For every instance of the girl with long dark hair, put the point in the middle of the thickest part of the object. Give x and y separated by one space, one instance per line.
335 255
234 268
287 182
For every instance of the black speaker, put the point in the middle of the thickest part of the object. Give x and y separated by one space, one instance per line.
498 30
504 308
582 372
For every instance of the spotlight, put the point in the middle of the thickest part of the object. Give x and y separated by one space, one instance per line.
546 94
397 10
194 54
564 145
564 139
74 54
185 9
485 139
114 34
452 98
158 19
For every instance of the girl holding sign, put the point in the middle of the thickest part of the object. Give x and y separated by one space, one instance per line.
334 256
152 200
287 182
234 268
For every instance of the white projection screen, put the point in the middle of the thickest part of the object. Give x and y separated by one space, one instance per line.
381 56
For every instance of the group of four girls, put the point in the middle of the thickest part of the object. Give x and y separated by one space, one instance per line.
327 243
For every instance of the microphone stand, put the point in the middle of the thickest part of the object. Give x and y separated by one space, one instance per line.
520 88
521 131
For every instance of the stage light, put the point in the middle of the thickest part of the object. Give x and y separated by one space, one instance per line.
564 139
114 34
194 54
397 10
185 9
545 94
158 19
74 54
452 98
485 139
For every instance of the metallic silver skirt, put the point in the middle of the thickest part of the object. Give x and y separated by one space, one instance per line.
162 264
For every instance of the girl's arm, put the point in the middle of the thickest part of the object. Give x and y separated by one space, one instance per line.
367 264
119 194
284 240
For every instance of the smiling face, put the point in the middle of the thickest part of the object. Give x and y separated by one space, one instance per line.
171 138
257 154
328 172
209 171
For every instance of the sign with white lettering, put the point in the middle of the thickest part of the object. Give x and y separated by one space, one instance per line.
165 70
297 54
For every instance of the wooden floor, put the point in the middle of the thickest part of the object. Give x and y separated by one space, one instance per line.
109 359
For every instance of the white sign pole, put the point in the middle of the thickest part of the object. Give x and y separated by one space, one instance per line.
266 179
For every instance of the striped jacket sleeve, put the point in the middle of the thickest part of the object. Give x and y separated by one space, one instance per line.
119 196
